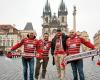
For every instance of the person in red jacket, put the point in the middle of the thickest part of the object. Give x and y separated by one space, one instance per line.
74 42
45 46
30 46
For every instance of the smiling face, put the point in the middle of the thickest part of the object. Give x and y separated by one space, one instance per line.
71 33
46 37
31 34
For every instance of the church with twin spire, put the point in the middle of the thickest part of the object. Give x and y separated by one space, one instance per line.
52 22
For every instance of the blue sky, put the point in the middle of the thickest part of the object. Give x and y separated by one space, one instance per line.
19 12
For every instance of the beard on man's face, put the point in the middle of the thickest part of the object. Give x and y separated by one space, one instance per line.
31 36
46 39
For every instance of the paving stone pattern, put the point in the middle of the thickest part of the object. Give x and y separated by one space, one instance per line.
11 69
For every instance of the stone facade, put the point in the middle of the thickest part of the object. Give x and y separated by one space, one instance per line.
97 39
52 22
9 36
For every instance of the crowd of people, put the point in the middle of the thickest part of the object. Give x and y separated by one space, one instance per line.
59 47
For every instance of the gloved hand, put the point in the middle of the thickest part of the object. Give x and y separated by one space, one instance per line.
9 53
39 56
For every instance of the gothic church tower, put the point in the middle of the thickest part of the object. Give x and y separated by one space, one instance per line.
52 22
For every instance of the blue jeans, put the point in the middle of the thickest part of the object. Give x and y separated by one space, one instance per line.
77 66
25 63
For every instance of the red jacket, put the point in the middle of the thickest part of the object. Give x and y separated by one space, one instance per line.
30 45
45 46
75 42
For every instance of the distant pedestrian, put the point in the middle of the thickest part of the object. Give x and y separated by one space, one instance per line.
92 58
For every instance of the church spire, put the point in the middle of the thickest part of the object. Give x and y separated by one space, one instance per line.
62 9
47 9
62 6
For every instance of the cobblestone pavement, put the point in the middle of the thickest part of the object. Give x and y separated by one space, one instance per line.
11 69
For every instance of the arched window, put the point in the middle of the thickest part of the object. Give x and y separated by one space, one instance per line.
4 44
46 19
8 42
12 42
62 19
53 31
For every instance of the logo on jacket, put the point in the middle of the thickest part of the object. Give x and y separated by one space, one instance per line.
30 45
73 46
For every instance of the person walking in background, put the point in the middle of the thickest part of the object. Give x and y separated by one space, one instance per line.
92 58
58 48
74 42
30 46
45 46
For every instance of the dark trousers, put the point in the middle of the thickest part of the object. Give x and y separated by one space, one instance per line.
25 63
44 66
77 66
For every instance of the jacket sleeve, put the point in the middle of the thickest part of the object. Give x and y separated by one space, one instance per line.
17 45
52 47
64 42
87 43
67 52
39 46
49 44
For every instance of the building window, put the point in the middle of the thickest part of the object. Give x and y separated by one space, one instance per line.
53 31
62 19
46 19
11 42
11 30
8 42
0 42
4 44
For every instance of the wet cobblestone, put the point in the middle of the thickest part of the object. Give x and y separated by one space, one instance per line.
11 69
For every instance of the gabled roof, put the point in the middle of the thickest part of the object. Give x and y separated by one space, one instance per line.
28 26
4 28
7 27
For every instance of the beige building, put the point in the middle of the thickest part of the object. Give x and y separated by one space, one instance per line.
9 36
97 39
